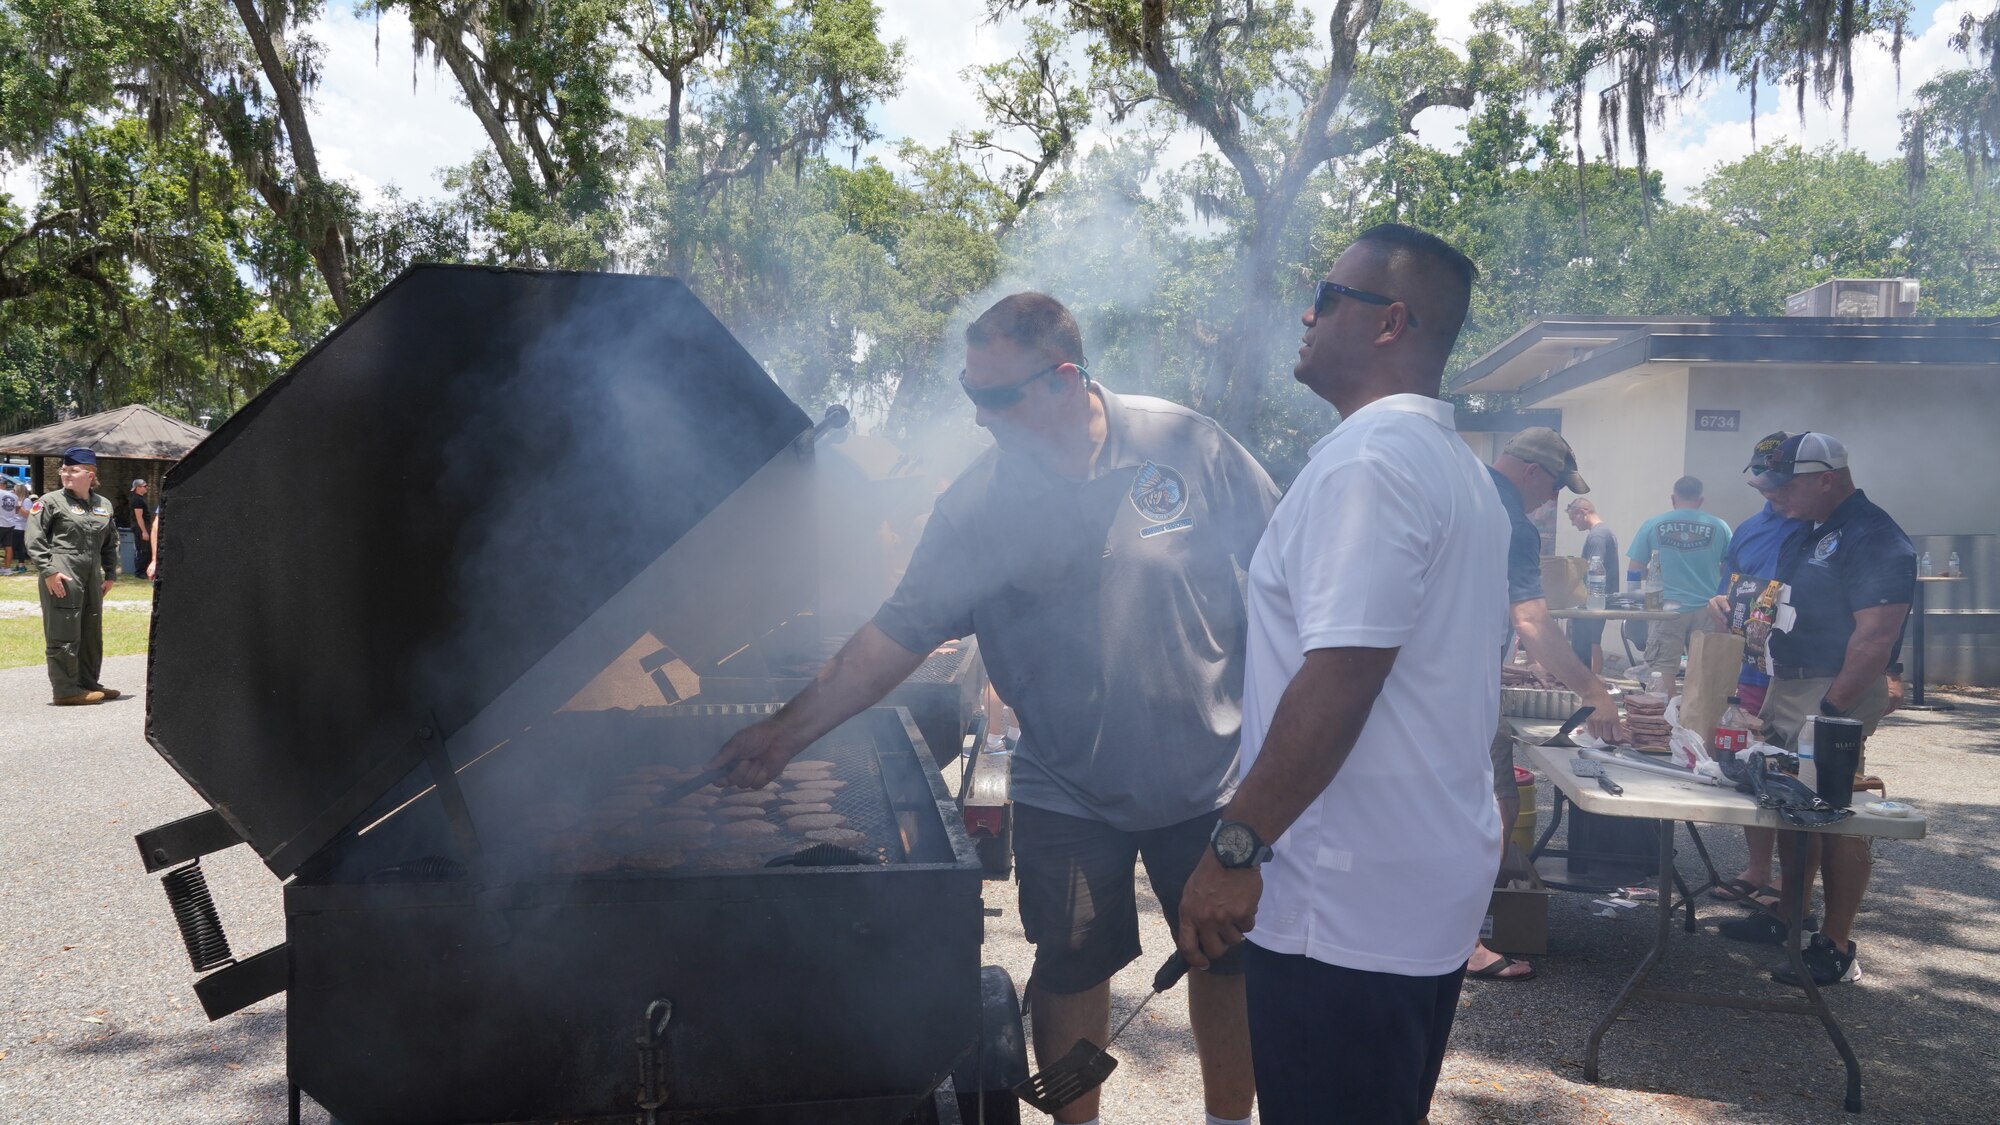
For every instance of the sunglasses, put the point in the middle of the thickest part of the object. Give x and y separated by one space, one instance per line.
1330 291
1000 398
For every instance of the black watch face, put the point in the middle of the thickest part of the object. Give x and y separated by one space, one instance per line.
1234 845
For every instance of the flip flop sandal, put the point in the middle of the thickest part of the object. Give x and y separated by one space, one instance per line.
1740 890
1494 971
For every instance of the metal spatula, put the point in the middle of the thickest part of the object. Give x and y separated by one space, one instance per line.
1084 1067
692 785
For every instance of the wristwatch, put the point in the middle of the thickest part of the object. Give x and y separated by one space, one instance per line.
1895 669
1827 708
1236 845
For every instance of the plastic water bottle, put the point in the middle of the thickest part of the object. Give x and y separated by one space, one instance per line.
1594 581
1951 566
1655 588
1732 730
1808 766
1924 566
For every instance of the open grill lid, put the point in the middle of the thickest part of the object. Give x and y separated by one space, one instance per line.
445 492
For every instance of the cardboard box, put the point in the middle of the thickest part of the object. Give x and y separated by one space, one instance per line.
1517 917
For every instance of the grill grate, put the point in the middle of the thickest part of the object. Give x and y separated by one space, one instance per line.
863 801
940 667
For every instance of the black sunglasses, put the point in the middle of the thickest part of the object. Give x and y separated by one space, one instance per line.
1000 398
1324 296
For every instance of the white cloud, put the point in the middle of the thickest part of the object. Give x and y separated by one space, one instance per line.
1715 129
373 125
22 186
942 38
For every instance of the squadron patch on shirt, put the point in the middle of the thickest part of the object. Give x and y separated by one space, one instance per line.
1824 549
1159 493
35 505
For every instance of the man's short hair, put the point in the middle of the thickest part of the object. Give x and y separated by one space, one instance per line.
1581 504
1031 321
1447 317
1688 488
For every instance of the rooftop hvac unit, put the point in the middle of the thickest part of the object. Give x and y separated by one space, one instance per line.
1845 296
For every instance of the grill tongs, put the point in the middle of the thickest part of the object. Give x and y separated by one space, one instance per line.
1084 1067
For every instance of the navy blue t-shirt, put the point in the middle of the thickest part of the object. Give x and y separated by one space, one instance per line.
1856 560
1524 549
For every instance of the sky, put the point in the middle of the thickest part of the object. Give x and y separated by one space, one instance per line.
378 120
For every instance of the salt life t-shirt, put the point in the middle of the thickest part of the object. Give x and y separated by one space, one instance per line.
1393 536
1691 545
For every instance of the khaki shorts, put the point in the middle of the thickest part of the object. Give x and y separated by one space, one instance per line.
1668 641
1789 703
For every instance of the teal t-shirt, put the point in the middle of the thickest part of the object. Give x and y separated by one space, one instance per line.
1692 545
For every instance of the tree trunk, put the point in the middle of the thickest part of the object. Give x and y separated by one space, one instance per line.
1245 362
319 224
444 40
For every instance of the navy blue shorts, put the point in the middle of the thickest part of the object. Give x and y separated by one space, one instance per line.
1079 906
1335 1045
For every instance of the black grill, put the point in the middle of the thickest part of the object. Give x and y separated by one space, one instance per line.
397 742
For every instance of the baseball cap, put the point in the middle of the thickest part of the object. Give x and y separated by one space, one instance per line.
79 455
1781 456
1539 445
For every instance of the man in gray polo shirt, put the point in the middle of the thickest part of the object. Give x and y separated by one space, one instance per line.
1096 552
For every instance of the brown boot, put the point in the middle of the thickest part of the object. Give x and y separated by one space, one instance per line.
81 698
108 692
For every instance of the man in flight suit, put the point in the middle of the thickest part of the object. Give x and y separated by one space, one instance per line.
74 547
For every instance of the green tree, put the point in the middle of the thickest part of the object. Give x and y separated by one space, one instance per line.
162 312
1278 109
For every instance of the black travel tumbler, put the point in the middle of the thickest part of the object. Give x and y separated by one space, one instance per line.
1836 757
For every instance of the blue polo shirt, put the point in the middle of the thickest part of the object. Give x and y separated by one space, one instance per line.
1754 551
1524 544
1856 560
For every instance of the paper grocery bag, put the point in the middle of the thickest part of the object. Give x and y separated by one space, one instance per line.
1565 581
1715 660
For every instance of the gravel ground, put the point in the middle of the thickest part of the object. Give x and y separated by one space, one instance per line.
100 1025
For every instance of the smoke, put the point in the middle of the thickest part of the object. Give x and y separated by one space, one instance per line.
1099 244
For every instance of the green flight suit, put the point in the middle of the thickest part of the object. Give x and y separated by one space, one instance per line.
76 539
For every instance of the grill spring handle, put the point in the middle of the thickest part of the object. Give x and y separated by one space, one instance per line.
652 1043
195 914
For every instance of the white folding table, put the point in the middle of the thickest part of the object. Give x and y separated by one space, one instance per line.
1670 800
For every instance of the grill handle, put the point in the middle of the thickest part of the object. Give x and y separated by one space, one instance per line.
652 1043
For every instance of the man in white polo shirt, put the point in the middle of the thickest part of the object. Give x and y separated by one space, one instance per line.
1377 598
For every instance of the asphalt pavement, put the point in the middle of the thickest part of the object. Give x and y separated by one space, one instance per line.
99 1023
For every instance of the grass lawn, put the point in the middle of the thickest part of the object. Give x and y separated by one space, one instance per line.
21 637
21 588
